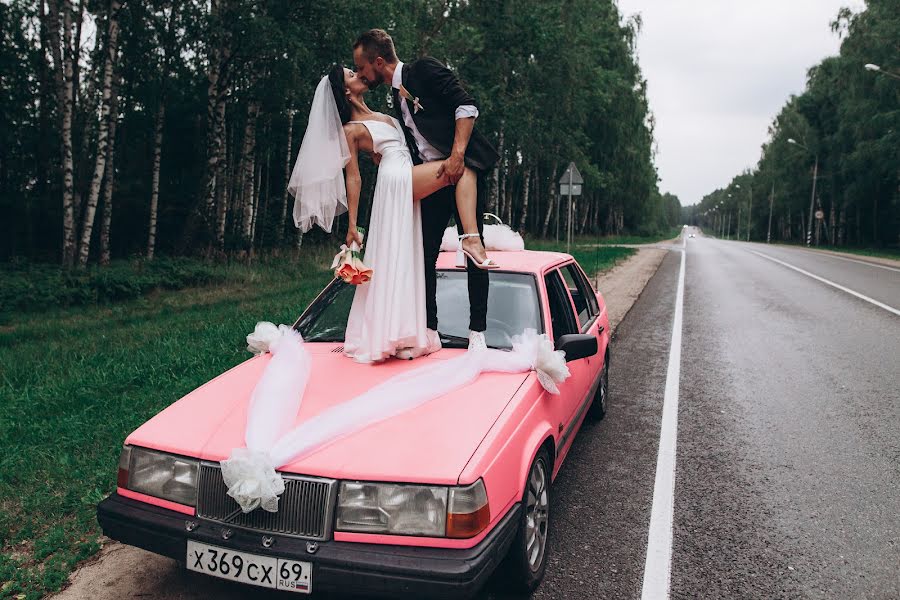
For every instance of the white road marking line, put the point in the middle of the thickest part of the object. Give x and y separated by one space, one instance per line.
831 283
862 262
658 565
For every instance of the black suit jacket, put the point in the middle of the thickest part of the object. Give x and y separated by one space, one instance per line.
440 94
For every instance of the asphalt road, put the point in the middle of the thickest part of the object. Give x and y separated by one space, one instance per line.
787 477
788 449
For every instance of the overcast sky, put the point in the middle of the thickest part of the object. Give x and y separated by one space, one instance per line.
718 71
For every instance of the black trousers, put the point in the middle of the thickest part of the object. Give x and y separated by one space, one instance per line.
436 211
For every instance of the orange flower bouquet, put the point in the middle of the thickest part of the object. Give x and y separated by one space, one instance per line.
348 265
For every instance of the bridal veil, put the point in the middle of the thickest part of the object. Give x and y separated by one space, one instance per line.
317 181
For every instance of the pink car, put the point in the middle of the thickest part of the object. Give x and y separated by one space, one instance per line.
428 503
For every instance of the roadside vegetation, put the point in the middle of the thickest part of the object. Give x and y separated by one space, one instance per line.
843 133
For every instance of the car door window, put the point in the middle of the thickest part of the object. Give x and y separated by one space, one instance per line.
561 317
582 294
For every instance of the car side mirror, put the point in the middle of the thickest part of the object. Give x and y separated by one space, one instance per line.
577 345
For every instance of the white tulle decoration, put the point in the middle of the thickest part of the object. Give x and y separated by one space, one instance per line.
263 336
250 472
549 364
252 480
499 238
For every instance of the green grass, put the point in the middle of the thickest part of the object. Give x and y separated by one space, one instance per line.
76 381
29 287
632 239
592 258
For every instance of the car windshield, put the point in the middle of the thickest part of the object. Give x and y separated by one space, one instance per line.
512 307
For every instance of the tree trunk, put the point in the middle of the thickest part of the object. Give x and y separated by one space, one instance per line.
61 49
257 196
83 122
526 187
587 213
102 135
218 78
265 197
222 195
154 187
287 178
833 222
496 192
110 177
875 220
842 228
551 198
249 170
76 54
508 191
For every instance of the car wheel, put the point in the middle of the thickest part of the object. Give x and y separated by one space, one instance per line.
527 559
598 407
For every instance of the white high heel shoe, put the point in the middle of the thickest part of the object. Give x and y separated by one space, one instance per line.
461 255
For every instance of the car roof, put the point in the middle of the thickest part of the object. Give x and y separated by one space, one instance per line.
521 261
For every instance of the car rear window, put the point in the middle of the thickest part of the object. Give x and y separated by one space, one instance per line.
513 306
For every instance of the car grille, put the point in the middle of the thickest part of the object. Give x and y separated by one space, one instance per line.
304 509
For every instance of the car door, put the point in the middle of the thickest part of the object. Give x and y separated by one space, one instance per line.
587 311
563 321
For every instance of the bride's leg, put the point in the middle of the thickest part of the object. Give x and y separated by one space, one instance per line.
425 180
466 206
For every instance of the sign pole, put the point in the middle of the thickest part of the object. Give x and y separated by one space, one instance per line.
569 233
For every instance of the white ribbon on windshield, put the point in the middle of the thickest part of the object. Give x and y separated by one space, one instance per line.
249 473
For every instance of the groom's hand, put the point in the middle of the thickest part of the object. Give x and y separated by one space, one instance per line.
453 168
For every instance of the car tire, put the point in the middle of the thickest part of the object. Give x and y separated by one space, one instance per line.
525 564
601 397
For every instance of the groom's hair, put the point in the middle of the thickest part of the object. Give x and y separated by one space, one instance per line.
375 43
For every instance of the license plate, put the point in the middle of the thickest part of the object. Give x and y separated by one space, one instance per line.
262 571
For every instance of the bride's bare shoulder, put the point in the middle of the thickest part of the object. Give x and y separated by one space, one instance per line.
354 130
388 119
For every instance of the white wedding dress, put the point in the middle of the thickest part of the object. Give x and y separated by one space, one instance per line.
388 312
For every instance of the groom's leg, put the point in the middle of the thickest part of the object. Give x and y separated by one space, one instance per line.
436 211
478 278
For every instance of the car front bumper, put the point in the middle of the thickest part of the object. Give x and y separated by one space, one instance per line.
342 567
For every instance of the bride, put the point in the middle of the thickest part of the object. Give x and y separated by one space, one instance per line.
388 316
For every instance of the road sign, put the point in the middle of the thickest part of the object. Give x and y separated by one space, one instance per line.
564 189
569 185
571 175
820 214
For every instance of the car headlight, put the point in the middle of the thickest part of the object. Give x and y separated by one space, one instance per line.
165 476
398 509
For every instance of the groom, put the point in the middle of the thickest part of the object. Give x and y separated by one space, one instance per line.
438 118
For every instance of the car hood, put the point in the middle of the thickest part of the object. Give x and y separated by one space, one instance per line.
431 443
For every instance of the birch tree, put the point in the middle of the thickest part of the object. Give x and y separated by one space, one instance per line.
103 132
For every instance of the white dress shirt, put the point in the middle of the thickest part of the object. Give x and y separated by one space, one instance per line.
426 151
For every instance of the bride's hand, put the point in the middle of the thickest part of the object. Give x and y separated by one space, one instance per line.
353 235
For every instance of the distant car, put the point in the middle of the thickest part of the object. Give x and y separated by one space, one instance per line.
692 235
425 504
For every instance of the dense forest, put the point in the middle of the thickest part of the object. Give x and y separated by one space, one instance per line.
841 135
159 127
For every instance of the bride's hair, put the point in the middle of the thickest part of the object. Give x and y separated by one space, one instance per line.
338 90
